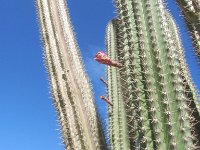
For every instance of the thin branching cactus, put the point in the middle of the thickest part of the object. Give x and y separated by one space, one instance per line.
191 13
154 100
70 86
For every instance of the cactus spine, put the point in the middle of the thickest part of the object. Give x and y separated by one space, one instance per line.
191 12
153 91
70 86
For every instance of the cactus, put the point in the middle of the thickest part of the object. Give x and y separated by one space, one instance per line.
71 90
155 104
191 13
118 128
190 90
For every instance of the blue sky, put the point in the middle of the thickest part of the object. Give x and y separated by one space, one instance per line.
27 117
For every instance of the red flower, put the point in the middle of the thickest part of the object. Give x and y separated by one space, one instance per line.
104 59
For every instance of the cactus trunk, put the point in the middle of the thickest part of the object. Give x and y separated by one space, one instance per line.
152 92
70 86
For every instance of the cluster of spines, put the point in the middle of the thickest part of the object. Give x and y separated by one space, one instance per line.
152 70
191 13
71 91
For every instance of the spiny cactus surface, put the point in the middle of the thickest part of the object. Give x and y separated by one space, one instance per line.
191 13
70 86
118 128
153 91
153 102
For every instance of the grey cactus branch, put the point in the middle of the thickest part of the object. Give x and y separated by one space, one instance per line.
191 13
70 86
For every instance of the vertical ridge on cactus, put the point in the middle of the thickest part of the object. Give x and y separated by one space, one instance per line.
70 86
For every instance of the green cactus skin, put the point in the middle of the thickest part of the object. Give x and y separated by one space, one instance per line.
190 91
153 86
118 125
70 86
191 12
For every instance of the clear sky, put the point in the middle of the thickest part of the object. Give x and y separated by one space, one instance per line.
27 117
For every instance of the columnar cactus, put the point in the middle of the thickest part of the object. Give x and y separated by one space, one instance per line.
70 86
118 128
153 91
191 12
154 104
190 90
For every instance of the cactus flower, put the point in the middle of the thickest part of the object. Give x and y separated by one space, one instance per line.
104 59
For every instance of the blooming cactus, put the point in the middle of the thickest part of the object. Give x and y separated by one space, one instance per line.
104 59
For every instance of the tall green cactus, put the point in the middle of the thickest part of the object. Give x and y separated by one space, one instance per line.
117 116
191 12
153 91
70 86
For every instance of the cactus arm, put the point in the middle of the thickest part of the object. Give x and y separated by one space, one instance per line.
77 105
112 128
190 91
151 79
175 96
136 54
118 127
191 13
110 110
126 86
81 77
148 68
164 77
170 75
134 71
58 102
184 66
66 80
